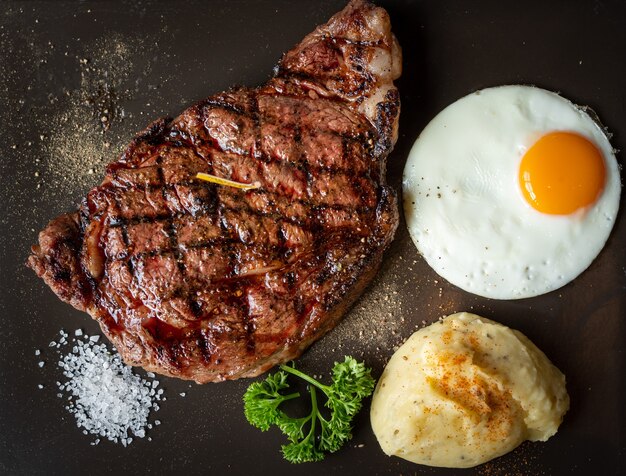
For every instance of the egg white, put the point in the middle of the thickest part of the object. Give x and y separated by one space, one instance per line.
464 207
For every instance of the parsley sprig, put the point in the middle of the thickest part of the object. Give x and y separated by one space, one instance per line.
311 436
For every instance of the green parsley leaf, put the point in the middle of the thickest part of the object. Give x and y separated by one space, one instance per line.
311 436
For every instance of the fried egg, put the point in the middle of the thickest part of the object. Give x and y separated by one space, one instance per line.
511 192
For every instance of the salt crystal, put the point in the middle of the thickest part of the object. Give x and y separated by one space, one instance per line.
39 386
106 398
41 363
37 352
182 394
78 332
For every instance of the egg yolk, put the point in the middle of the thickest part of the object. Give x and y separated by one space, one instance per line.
561 173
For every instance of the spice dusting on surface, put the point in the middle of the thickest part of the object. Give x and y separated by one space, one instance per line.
83 140
520 462
383 317
372 329
107 399
69 115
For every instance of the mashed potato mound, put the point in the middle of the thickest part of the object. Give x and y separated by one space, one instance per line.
465 390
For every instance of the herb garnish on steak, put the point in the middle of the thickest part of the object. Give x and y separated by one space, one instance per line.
208 282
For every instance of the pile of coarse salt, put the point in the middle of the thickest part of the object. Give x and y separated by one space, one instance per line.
104 395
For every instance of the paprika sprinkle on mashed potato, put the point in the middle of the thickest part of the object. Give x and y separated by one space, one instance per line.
465 390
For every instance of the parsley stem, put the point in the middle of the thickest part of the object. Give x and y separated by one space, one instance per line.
314 411
313 399
304 376
291 396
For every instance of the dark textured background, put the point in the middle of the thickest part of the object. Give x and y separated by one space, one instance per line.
174 53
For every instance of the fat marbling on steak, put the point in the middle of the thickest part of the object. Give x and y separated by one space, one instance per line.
208 282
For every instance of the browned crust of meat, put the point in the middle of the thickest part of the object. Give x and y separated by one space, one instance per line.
57 260
209 283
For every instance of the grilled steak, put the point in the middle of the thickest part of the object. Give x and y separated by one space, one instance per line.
209 282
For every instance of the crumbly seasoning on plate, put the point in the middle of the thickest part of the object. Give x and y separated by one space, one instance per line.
107 399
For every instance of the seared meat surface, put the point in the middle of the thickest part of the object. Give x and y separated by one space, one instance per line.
208 282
